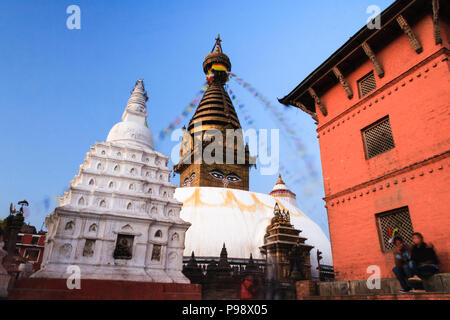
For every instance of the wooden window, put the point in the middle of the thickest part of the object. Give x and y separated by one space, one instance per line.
32 255
378 138
366 84
393 223
34 240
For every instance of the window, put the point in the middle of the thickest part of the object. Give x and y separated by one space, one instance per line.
34 240
31 255
366 84
378 138
393 223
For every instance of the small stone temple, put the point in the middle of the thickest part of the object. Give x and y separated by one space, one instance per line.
288 257
119 219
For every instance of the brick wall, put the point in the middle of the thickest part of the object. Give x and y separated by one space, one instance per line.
415 94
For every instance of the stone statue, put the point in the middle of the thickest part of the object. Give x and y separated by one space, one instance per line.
123 248
296 262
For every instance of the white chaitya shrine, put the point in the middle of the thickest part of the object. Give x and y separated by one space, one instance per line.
119 219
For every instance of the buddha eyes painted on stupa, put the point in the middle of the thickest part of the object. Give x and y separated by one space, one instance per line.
226 179
188 180
233 177
217 175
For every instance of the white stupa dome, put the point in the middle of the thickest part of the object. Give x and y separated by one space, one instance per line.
131 132
239 219
132 129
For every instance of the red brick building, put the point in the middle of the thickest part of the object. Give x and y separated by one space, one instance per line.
382 103
30 245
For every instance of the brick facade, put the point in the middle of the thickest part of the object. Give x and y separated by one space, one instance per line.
414 94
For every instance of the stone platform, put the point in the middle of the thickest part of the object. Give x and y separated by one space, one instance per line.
436 287
56 289
406 296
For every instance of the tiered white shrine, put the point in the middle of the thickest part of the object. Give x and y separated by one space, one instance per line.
119 219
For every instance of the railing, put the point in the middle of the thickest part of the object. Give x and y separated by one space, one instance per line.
237 264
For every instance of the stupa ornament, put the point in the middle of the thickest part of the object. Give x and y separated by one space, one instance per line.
133 129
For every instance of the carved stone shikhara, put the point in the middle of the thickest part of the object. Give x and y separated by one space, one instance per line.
415 43
376 64
119 213
345 84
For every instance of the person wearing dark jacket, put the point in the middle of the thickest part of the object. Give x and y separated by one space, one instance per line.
402 258
424 262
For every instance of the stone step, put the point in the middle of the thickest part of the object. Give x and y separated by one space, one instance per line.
403 296
437 283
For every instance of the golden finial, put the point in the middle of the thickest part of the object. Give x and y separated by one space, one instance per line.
217 45
280 180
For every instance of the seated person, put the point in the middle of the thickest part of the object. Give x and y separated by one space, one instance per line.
424 262
402 270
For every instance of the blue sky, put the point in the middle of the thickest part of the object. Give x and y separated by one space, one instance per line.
62 90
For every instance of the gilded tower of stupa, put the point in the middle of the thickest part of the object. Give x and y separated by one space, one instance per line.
215 113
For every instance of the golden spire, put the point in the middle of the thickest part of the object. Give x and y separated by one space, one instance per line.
280 180
217 45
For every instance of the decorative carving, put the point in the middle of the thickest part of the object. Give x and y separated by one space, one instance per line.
376 64
65 250
415 43
280 216
317 101
81 201
302 107
127 228
175 237
93 228
347 87
436 27
156 252
88 250
69 226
